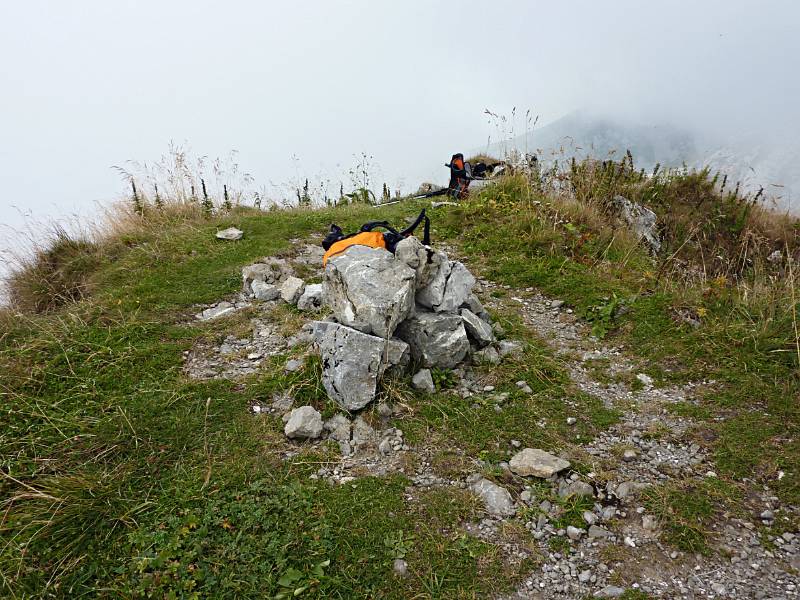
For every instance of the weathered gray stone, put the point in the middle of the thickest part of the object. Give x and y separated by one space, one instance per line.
477 329
574 533
304 423
291 289
423 381
449 287
576 488
487 356
640 219
312 297
536 462
363 433
476 306
264 291
230 234
293 365
610 591
352 361
595 531
497 499
339 428
369 290
436 340
220 310
506 347
423 260
270 270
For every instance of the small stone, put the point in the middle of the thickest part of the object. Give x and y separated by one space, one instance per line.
556 304
497 499
516 443
589 517
291 289
596 531
629 541
230 234
768 515
264 291
487 356
718 588
526 496
584 576
579 489
574 533
312 298
384 410
610 591
400 567
293 365
649 523
304 423
629 455
536 462
645 380
571 420
423 381
609 512
254 356
624 489
506 347
385 447
477 329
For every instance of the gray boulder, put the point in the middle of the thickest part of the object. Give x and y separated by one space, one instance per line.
230 234
536 462
477 329
369 290
423 381
352 361
291 289
311 298
264 291
424 261
450 286
436 340
476 306
497 499
304 423
640 219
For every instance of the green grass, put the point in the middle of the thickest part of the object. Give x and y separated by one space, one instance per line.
120 477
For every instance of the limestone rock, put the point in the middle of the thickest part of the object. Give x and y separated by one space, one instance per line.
487 356
640 219
220 310
304 423
436 340
369 290
497 499
291 289
339 428
450 287
270 270
311 298
536 462
423 381
230 234
352 361
477 329
264 291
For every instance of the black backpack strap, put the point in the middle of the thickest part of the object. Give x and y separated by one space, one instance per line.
334 235
375 224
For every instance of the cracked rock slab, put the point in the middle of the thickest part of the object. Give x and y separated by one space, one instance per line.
536 462
368 290
436 340
352 361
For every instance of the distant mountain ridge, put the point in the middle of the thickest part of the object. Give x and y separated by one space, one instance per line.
748 159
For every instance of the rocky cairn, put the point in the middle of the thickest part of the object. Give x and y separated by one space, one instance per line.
393 310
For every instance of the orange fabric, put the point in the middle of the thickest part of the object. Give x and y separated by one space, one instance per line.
373 239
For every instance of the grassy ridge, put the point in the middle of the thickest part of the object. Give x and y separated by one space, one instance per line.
120 477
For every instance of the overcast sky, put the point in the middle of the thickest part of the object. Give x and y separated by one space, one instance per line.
299 88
